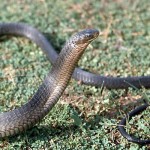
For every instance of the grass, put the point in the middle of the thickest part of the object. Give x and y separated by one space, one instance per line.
85 117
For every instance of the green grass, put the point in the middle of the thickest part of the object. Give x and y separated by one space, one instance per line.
84 117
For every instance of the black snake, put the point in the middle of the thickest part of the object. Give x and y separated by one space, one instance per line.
52 87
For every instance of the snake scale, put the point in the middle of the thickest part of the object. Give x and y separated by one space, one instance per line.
53 86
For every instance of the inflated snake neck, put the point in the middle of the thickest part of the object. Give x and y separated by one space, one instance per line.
50 90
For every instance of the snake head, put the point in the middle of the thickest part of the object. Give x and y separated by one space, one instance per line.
75 46
85 36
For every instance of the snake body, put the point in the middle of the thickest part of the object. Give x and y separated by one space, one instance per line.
54 84
88 78
129 116
52 87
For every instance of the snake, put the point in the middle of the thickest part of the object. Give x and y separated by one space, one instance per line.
51 89
64 66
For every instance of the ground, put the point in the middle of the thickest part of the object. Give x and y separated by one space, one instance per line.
85 117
